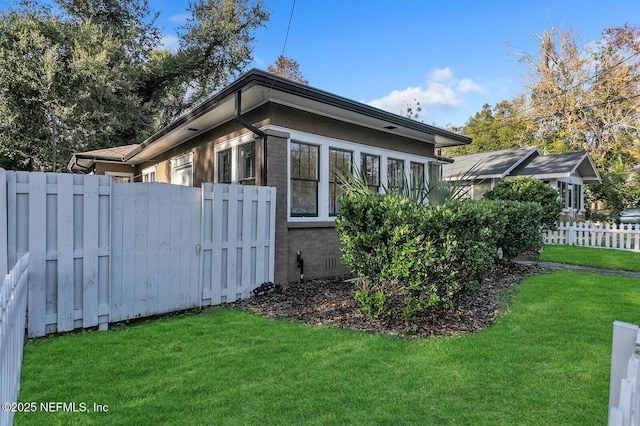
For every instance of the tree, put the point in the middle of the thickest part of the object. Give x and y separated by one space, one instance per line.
287 68
587 97
493 129
92 71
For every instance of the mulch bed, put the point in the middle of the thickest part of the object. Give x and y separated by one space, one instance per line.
330 302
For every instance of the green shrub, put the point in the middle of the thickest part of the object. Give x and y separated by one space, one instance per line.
411 257
521 233
529 189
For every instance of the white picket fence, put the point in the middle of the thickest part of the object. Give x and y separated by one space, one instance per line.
13 310
597 235
624 387
102 253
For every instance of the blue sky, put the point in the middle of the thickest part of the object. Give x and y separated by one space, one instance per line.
453 56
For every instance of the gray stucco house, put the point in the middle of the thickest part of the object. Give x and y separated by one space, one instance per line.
266 130
567 173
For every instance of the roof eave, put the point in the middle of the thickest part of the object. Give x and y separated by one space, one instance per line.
271 82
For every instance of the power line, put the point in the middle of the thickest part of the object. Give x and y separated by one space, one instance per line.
293 6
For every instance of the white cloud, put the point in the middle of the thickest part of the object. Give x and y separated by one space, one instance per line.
440 91
169 42
442 75
466 85
180 18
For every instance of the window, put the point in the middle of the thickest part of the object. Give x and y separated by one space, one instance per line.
247 164
149 175
182 170
339 164
395 175
417 177
304 172
120 177
224 166
370 168
435 171
577 197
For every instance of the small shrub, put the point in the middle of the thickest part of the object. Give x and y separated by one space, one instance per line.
529 189
411 257
522 231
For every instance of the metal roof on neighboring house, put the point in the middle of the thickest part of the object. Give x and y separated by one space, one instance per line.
561 165
86 160
488 165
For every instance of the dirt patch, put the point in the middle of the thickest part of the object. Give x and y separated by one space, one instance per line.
330 302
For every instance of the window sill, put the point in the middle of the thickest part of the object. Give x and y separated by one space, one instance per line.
309 224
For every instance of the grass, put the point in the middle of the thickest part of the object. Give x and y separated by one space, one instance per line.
545 361
597 258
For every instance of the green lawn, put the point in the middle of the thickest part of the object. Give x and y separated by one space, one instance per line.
545 361
598 258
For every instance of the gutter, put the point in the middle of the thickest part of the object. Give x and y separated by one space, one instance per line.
262 135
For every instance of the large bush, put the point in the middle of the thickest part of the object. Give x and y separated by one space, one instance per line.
411 257
529 189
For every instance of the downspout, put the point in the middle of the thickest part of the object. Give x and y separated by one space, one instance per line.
262 135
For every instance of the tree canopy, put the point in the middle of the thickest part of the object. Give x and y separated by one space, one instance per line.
577 96
94 72
287 68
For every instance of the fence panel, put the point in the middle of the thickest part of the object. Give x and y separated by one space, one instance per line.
54 217
597 235
155 235
624 387
238 242
13 312
102 252
4 254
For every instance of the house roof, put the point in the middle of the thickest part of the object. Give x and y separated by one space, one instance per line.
86 160
561 166
488 165
258 87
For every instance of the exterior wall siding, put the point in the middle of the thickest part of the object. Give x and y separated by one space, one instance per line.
320 250
277 177
292 118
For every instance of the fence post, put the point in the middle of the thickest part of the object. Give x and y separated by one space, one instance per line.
623 343
4 255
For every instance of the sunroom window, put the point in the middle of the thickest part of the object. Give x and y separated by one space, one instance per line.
224 166
339 164
417 177
304 174
395 174
370 168
247 163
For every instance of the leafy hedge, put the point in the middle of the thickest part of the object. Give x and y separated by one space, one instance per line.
411 257
530 189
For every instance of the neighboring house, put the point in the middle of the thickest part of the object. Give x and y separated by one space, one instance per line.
266 130
106 161
567 173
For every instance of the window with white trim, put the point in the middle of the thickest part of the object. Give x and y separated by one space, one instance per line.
247 163
120 177
182 170
340 163
370 168
395 175
224 166
417 177
149 175
304 163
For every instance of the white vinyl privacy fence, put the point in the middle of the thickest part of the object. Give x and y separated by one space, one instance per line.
597 235
624 388
103 252
13 308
